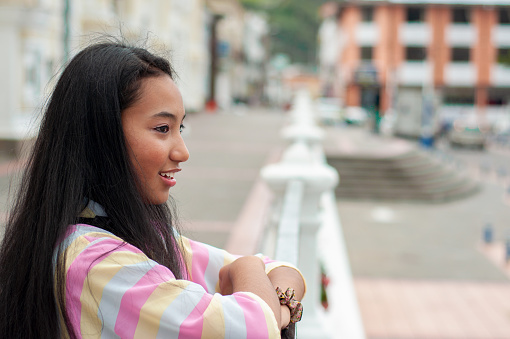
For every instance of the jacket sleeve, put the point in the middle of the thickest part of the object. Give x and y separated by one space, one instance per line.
204 263
113 289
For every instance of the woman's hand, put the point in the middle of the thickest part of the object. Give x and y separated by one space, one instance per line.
285 277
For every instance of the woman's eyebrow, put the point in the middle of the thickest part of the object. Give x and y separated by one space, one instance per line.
165 115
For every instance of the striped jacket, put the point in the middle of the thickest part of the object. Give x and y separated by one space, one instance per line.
113 290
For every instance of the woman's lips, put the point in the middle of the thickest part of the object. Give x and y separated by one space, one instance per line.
168 177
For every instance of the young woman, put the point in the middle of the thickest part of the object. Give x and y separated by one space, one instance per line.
91 249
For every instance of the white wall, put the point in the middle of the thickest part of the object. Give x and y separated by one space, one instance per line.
460 74
367 34
415 34
461 35
500 75
24 67
501 36
413 73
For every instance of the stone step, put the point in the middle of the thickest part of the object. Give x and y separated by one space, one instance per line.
417 195
439 182
422 172
396 171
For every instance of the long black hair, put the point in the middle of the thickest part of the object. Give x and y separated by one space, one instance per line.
80 154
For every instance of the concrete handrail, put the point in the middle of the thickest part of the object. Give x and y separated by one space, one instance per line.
287 240
303 185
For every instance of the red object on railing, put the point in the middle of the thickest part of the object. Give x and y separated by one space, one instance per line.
211 106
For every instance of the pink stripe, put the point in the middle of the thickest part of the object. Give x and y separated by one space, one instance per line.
267 260
199 263
193 325
71 229
77 273
134 299
254 317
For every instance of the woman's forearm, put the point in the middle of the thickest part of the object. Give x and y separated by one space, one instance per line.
247 274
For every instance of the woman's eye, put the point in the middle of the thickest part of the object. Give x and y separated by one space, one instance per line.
162 129
181 128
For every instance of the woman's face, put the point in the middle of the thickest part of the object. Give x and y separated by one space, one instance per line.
152 126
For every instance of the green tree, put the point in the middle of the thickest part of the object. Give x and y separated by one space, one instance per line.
294 25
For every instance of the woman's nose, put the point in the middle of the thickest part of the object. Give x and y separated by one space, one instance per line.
180 152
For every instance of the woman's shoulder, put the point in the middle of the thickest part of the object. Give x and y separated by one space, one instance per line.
85 232
84 241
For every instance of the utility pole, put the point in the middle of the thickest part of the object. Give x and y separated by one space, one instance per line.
211 104
66 36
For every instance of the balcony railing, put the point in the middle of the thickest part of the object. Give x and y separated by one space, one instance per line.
307 230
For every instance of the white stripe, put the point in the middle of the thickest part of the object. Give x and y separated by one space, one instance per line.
235 324
113 292
97 209
179 310
215 263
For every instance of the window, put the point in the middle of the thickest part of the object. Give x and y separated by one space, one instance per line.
367 14
366 53
415 14
460 15
504 16
504 56
416 53
458 96
498 96
461 54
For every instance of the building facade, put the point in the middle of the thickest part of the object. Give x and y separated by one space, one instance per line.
395 54
39 36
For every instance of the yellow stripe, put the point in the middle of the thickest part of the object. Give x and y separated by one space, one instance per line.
153 309
187 254
87 213
214 319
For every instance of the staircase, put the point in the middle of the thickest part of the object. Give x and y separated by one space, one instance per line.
374 167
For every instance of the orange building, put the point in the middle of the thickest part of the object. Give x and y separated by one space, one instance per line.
390 51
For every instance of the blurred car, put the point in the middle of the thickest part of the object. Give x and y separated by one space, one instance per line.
467 133
501 132
329 110
355 115
502 137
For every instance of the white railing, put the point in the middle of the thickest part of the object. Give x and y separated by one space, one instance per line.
307 229
287 239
